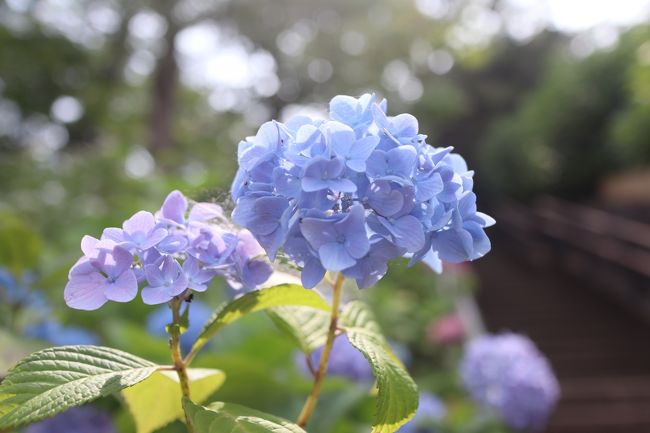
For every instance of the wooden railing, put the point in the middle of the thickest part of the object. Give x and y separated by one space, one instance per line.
609 251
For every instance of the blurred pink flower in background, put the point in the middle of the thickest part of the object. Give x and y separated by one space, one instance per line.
446 330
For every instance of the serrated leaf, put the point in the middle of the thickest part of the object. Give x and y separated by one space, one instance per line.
276 296
307 326
55 379
156 401
221 417
397 398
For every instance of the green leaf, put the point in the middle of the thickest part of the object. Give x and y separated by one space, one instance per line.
221 417
276 296
156 401
397 399
307 326
53 380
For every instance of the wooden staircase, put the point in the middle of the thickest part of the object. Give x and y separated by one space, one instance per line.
581 291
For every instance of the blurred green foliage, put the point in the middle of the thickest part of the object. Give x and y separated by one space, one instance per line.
21 246
585 119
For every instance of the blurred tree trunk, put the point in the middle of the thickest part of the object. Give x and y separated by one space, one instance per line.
119 49
164 94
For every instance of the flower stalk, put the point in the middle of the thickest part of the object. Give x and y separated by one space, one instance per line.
179 364
312 399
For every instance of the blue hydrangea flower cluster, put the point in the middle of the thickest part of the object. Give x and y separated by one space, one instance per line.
353 192
168 253
344 361
431 411
508 374
83 419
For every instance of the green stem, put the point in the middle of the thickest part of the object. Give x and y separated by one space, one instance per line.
179 365
310 404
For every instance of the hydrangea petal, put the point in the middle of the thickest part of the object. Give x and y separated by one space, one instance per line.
488 221
255 273
169 269
432 260
335 257
341 185
404 125
114 234
429 187
454 246
480 242
341 138
156 295
141 222
401 160
88 245
318 231
179 286
174 207
407 231
154 238
85 291
268 210
153 275
312 273
205 211
124 289
360 153
343 108
311 184
385 200
174 243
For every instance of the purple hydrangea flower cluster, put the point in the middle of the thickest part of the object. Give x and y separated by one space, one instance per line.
508 374
168 253
344 361
431 411
353 192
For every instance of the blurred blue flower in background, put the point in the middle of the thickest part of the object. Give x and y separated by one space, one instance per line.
352 193
431 410
59 335
508 374
83 419
18 292
198 316
20 295
344 361
402 351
